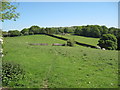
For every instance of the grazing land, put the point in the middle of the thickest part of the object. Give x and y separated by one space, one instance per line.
62 66
82 39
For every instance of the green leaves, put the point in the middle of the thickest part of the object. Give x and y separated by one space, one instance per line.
8 11
14 33
11 72
70 42
108 41
35 29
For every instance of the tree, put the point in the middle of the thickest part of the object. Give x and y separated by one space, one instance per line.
88 30
35 29
5 34
48 30
108 41
42 31
94 31
84 31
57 31
14 33
61 29
70 42
68 30
25 31
52 30
78 31
31 33
105 30
113 30
8 11
100 29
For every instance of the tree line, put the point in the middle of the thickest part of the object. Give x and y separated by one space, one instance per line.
95 31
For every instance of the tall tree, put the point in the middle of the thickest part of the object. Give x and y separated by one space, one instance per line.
113 30
105 30
25 31
61 29
35 29
42 31
78 30
95 32
66 30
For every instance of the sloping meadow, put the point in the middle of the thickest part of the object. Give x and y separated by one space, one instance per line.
82 39
60 66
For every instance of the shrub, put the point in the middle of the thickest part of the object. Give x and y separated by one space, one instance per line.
11 72
108 41
70 42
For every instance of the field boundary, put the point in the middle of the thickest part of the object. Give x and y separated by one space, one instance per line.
78 43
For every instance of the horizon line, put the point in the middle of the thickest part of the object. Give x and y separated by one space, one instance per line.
61 26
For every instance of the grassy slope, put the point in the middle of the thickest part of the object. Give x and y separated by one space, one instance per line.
59 66
81 39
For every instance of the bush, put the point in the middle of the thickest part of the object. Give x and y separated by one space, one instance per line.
11 73
70 42
108 41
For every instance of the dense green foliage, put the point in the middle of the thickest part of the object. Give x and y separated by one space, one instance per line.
25 31
61 66
88 31
35 29
95 31
70 42
14 33
8 10
11 72
108 41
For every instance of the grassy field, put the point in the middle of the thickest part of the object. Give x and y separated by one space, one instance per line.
81 39
61 66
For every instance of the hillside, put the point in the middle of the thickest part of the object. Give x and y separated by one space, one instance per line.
82 39
61 66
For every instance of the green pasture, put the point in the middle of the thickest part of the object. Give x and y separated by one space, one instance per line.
61 66
82 39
